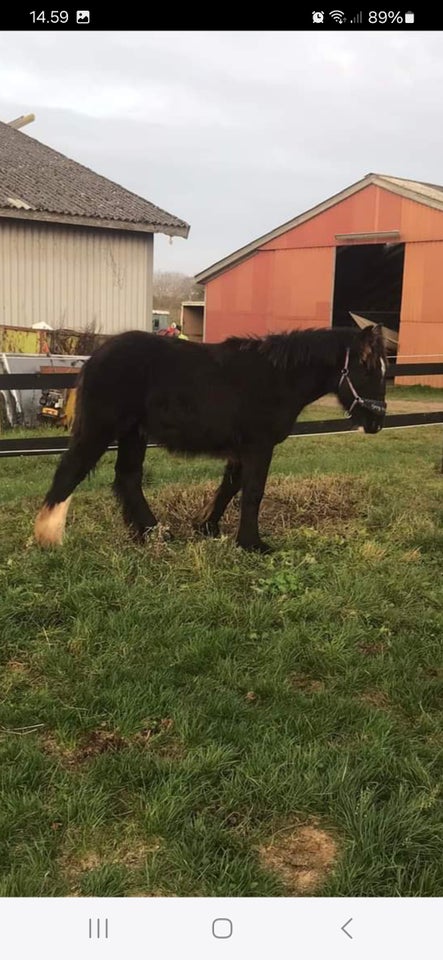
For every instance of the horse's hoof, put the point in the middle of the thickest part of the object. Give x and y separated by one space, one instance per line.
141 534
158 532
209 528
259 547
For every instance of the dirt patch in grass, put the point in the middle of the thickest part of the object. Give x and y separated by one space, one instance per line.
433 673
15 674
17 667
375 649
131 854
301 857
287 502
94 744
375 698
300 681
101 741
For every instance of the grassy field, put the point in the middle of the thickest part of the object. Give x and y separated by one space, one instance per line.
185 719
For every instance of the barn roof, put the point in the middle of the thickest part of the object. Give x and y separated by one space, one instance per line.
428 193
38 183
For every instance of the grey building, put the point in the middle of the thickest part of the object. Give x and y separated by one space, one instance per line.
76 249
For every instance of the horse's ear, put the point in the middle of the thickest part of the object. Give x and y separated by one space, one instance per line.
371 344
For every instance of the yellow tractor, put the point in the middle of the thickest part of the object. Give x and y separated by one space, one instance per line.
58 406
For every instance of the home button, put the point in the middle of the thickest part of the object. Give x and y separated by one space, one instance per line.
222 928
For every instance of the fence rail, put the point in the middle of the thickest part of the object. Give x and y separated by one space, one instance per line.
61 381
36 446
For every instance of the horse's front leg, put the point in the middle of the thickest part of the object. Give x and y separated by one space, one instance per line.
255 466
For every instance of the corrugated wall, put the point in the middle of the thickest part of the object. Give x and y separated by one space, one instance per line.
73 277
421 324
271 292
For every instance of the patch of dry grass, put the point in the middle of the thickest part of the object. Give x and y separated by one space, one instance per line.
301 856
128 853
287 503
376 698
300 681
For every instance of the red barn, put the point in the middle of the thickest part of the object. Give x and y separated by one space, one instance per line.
375 249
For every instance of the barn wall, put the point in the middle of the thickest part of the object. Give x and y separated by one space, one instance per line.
288 282
371 210
72 277
421 324
270 292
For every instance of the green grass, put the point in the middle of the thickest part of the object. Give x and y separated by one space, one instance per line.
165 711
415 392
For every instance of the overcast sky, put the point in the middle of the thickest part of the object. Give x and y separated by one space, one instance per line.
234 132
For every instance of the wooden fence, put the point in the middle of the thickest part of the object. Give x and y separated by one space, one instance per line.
37 446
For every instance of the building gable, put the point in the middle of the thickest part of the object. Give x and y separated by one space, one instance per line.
384 204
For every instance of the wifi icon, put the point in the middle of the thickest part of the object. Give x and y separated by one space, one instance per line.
338 16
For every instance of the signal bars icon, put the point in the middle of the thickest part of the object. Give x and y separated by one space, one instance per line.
358 18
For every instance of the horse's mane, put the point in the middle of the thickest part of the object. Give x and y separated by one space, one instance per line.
299 347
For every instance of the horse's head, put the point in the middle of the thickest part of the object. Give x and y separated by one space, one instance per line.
362 382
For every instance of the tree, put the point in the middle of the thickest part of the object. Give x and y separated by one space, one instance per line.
171 289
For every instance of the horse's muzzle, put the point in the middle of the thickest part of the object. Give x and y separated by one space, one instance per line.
374 414
374 426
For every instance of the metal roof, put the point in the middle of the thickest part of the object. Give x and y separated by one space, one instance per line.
38 183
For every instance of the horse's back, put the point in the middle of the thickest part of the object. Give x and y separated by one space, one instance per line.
174 388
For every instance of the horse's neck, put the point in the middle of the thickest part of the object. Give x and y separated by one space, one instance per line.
315 382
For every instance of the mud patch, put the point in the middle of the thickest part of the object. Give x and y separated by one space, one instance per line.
301 857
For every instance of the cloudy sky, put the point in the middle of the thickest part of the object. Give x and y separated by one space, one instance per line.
234 132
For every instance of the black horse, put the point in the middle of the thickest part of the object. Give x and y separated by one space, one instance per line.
233 400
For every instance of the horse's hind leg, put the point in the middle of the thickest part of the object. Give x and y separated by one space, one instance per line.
128 484
81 457
207 523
